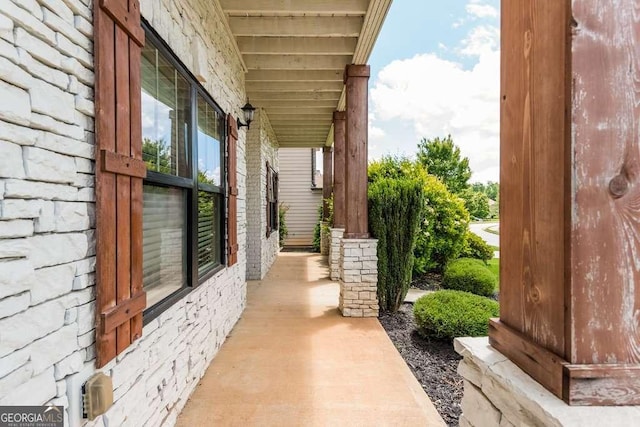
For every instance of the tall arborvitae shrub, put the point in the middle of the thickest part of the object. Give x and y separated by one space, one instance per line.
395 209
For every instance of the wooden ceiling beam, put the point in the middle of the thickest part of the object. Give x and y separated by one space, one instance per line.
294 7
261 96
297 62
251 87
297 45
304 124
296 26
293 110
302 117
302 104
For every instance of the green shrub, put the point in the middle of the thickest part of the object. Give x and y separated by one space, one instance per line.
477 248
395 207
395 167
445 228
469 275
445 221
282 222
316 231
477 203
451 314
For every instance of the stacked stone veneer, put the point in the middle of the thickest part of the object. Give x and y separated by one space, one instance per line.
359 278
262 147
499 394
334 253
47 246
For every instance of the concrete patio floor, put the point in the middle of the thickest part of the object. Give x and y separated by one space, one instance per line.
293 360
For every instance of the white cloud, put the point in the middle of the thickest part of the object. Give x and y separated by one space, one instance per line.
481 39
458 23
376 132
428 96
479 10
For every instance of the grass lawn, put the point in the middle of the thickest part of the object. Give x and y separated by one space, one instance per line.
494 266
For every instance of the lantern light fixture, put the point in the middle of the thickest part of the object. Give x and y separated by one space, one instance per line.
248 111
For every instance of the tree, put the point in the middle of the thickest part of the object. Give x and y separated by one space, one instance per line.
476 202
156 155
442 158
492 190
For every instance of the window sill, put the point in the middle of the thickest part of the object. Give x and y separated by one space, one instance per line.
156 310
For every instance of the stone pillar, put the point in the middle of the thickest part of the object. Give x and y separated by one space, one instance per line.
334 253
339 169
356 79
359 278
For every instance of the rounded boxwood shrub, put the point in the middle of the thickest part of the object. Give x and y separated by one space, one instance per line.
469 275
449 314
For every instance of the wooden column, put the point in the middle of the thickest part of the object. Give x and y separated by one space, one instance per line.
339 168
356 78
570 185
327 180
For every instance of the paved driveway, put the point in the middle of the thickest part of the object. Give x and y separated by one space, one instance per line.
492 239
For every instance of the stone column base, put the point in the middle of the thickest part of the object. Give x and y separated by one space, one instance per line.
325 238
334 253
359 278
498 393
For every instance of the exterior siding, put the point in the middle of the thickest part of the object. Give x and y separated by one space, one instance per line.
297 195
47 220
262 147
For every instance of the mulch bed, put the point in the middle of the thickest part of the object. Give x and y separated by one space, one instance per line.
434 363
427 282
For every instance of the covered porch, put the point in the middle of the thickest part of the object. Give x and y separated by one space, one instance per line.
294 360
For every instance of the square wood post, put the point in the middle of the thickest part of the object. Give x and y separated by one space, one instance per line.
570 185
339 208
327 190
327 180
358 253
339 167
356 78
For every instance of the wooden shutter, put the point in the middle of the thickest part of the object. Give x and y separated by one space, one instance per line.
232 201
120 299
276 200
269 193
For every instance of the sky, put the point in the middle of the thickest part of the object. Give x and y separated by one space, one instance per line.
435 70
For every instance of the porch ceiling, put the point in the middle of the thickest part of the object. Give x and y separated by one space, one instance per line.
295 52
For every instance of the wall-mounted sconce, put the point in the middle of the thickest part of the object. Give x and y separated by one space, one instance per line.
248 111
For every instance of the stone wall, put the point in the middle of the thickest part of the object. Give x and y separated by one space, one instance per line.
499 394
262 147
47 246
359 278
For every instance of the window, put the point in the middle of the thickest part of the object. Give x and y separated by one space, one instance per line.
272 200
183 194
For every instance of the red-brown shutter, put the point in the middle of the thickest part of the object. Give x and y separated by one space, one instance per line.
269 197
232 201
120 299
